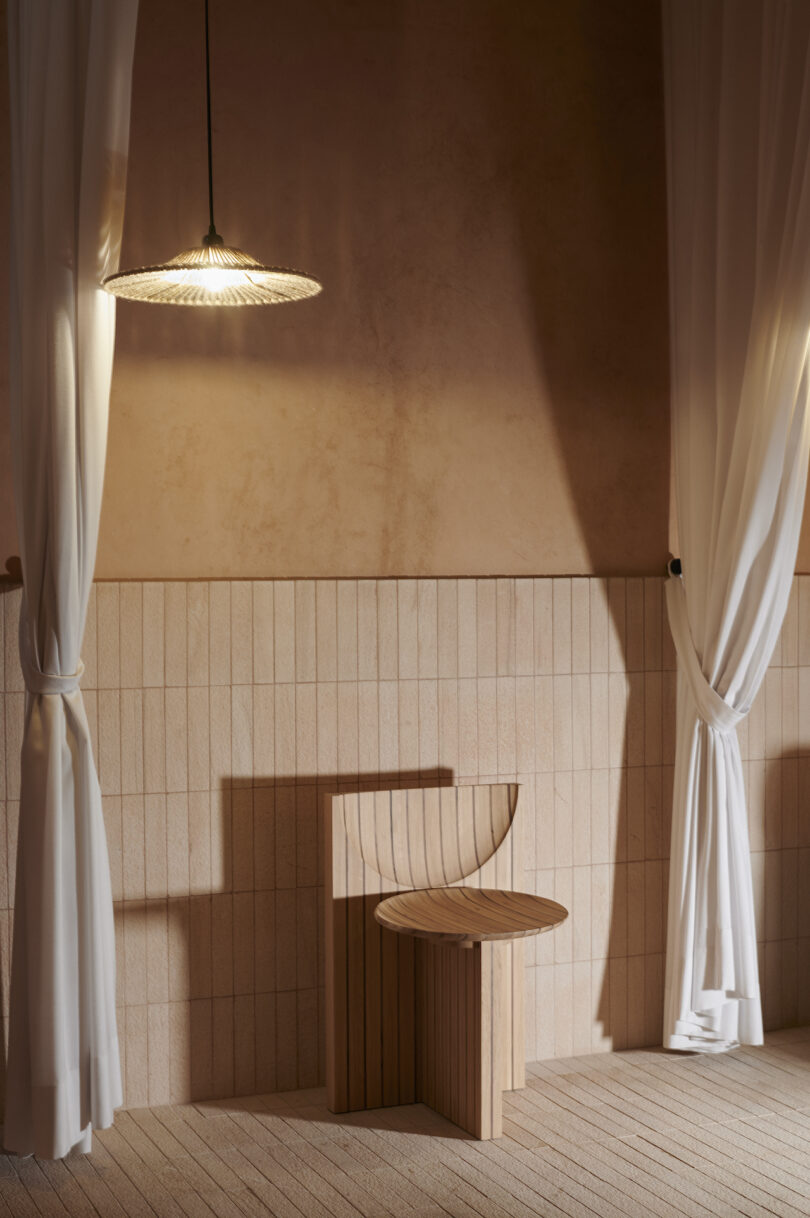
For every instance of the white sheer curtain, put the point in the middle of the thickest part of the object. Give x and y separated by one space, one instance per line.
70 67
737 76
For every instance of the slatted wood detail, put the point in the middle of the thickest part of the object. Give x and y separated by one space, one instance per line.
469 915
377 844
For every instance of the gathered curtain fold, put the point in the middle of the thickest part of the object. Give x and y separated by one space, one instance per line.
70 65
737 102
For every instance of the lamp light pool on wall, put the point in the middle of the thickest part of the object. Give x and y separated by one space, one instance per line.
212 273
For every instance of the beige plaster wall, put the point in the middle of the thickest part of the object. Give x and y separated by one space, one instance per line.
482 387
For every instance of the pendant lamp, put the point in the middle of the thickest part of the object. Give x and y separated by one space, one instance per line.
213 273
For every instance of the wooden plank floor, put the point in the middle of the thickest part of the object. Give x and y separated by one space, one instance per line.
629 1134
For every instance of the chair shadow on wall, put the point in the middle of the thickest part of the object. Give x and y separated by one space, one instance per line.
245 966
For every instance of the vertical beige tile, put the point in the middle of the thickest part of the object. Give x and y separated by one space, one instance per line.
467 628
756 725
544 821
601 842
108 636
264 904
179 953
599 620
428 715
137 1057
790 712
197 633
789 894
505 610
618 812
109 741
198 836
618 698
408 628
177 843
156 853
563 1011
243 943
580 626
561 595
563 935
266 1077
581 817
653 906
179 1052
286 950
581 1007
305 731
15 708
327 728
448 727
563 819
111 807
580 915
242 735
219 632
200 947
790 803
244 1042
654 845
263 632
773 804
306 938
264 734
563 723
600 720
154 740
199 752
158 1053
347 729
131 741
264 838
773 712
524 627
347 641
367 630
524 725
176 628
544 723
284 631
219 707
157 951
543 627
636 874
222 840
804 619
545 1012
427 627
389 728
581 721
487 726
286 1041
134 953
89 650
326 629
387 640
134 847
669 717
486 623
653 718
408 727
618 1002
617 625
653 621
756 804
201 1049
222 944
241 632
634 730
306 666
242 850
11 616
285 837
447 627
153 634
636 1009
131 635
368 739
634 636
506 726
176 739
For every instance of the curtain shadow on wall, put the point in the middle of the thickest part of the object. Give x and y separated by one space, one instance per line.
590 220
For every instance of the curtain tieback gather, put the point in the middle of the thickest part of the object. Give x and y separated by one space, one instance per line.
712 708
36 681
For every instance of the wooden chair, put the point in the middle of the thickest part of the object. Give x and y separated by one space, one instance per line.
409 1020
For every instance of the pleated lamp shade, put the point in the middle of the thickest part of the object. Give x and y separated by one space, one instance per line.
213 274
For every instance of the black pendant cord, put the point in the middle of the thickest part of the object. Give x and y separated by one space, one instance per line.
213 237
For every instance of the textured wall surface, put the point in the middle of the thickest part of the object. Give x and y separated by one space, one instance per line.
482 387
224 711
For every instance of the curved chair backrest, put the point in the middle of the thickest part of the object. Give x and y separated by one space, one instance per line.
430 837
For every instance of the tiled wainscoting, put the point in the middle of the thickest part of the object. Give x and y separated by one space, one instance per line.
223 712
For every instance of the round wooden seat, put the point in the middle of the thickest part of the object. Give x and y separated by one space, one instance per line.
468 915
